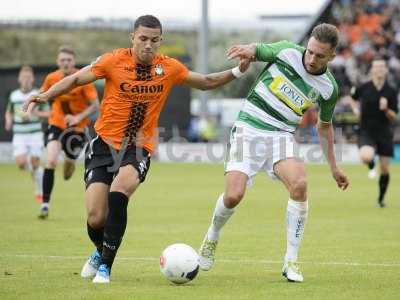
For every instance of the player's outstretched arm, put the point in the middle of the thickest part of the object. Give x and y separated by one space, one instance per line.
325 133
214 80
259 51
82 77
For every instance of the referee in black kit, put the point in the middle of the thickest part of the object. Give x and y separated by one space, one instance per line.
376 103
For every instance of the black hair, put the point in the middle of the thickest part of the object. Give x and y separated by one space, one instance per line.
147 21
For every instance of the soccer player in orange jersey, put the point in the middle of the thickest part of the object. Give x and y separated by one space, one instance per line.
67 121
138 81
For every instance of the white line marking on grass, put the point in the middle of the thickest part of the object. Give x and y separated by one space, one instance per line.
241 261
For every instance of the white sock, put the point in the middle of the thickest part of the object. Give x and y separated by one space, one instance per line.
296 217
220 217
45 204
37 175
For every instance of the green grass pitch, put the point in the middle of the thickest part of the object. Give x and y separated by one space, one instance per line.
351 248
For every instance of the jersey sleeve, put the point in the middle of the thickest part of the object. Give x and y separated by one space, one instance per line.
268 52
102 65
47 83
180 72
90 92
327 107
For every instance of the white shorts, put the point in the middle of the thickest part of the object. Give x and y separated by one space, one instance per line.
28 144
251 150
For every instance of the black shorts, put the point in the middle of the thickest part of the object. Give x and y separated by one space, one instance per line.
383 144
102 162
72 142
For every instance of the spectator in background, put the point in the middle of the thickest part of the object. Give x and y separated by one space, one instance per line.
366 28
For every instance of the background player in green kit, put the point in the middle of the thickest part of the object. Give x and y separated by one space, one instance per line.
262 136
27 129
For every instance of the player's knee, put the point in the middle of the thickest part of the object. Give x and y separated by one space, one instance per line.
35 163
366 154
125 185
384 170
299 188
366 158
21 165
51 163
233 197
96 218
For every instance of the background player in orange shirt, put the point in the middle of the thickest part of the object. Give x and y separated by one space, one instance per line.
67 121
137 84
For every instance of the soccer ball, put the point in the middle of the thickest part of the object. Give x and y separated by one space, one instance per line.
179 263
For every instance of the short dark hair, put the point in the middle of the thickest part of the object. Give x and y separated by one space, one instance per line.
326 33
376 59
66 49
147 21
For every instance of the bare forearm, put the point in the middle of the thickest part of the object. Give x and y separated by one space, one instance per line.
61 87
214 80
82 77
8 120
326 137
91 109
8 116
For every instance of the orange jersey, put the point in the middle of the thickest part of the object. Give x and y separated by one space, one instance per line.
74 102
134 96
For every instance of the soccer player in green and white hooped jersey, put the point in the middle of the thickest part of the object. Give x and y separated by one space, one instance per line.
27 129
262 137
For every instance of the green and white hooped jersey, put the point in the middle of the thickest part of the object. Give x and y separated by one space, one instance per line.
284 90
15 104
